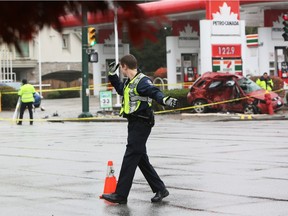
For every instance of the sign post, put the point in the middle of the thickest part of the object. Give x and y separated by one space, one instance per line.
105 100
85 75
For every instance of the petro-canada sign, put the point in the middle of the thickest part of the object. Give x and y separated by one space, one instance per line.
225 21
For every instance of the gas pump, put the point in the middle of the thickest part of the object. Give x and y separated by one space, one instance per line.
284 70
189 68
282 63
190 74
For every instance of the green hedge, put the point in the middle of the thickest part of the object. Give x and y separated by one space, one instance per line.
8 101
63 94
180 94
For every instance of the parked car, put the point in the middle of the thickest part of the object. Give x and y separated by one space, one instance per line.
230 93
15 85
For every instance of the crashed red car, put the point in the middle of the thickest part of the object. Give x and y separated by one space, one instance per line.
230 93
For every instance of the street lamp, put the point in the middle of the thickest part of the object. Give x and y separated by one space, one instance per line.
113 7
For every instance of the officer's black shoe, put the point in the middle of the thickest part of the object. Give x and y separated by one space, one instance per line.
115 198
160 195
19 123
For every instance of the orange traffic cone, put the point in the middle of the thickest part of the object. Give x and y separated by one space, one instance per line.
110 181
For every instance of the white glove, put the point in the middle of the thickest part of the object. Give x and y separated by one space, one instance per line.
168 101
113 68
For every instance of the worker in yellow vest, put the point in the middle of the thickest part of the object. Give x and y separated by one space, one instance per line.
26 93
265 82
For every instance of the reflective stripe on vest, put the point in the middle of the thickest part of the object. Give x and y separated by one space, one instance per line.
132 99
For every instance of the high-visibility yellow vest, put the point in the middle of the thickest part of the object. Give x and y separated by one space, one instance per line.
26 93
267 86
131 98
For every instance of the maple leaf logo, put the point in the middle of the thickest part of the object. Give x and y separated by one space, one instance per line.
278 23
188 32
111 39
225 13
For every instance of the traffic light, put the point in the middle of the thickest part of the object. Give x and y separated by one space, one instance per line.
285 28
91 36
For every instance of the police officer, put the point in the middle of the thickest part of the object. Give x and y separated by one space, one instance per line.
138 92
26 93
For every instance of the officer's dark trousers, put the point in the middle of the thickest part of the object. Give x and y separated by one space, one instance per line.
135 155
23 106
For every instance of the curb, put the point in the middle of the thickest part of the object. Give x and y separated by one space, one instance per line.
236 117
253 118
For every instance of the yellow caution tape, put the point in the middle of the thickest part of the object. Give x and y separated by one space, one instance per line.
62 119
91 87
105 84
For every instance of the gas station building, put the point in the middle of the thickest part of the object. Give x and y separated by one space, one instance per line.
207 36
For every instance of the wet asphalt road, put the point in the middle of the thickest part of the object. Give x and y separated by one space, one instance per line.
210 168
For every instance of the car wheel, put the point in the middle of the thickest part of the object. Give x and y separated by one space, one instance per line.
200 109
250 109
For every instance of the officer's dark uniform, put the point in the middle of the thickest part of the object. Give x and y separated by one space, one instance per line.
140 123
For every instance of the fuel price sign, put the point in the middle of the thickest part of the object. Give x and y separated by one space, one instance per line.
226 50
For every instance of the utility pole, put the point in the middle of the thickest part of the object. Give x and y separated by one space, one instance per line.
39 64
85 74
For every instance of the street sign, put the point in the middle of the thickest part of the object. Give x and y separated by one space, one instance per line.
105 99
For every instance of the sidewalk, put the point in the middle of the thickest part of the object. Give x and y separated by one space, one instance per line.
70 108
64 109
